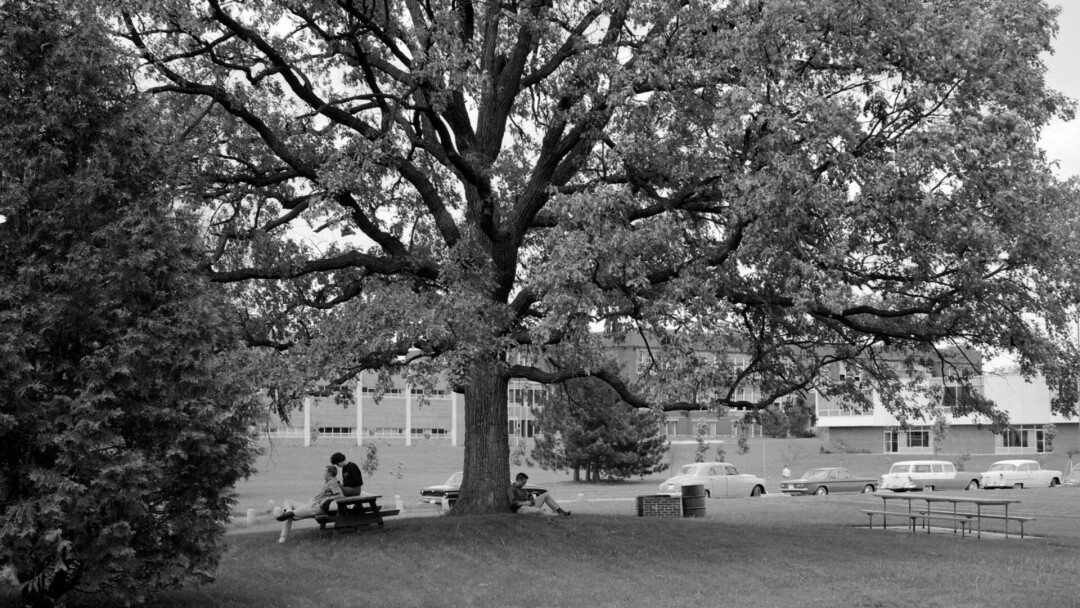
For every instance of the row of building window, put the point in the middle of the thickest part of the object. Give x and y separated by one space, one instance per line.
367 390
1024 439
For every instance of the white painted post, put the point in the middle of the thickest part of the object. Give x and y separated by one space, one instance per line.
358 398
307 422
408 414
453 418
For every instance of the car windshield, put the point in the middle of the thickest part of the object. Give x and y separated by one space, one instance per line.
1001 466
455 479
900 468
816 474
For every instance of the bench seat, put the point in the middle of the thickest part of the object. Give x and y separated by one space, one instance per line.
1020 519
353 512
963 519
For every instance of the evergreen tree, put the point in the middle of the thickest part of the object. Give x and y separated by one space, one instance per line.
124 409
584 426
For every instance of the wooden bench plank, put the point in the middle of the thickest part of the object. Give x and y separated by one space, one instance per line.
914 516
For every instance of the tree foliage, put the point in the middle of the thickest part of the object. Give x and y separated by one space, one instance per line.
124 413
586 427
791 419
805 181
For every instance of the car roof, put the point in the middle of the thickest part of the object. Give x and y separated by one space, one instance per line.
1015 462
923 462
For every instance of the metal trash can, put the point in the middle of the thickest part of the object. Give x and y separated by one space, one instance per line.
693 501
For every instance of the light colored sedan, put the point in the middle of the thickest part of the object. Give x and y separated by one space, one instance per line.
1019 474
720 479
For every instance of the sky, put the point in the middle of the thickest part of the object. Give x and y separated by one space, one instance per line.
1062 140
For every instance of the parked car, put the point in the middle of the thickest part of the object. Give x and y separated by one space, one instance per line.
914 475
720 479
447 492
1019 474
828 481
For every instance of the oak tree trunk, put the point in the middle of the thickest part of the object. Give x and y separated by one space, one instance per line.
487 446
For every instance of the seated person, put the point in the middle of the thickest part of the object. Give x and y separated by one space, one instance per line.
293 509
521 500
351 479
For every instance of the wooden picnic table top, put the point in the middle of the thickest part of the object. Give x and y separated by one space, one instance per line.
950 498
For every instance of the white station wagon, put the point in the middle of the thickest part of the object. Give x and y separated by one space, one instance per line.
1019 474
928 475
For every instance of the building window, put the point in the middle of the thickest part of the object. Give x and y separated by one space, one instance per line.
672 427
383 431
892 442
956 396
849 371
1025 439
644 362
835 407
419 392
911 441
335 431
918 439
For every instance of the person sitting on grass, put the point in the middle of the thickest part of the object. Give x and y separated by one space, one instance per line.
294 509
520 499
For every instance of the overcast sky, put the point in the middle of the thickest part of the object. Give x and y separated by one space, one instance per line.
1062 140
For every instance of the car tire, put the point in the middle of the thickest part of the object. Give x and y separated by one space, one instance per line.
1054 482
868 489
1018 486
972 485
757 491
928 488
821 491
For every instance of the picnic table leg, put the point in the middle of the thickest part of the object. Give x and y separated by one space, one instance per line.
1006 520
978 515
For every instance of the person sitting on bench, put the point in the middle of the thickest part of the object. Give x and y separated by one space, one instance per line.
294 509
351 479
520 499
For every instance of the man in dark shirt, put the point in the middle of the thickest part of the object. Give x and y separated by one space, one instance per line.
519 498
351 479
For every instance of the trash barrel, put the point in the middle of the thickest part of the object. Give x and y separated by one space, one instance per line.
693 501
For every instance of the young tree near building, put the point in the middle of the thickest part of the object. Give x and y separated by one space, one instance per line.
585 426
806 182
124 412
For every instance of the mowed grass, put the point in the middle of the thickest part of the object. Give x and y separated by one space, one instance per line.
746 552
769 551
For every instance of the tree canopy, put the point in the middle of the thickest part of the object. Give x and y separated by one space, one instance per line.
804 181
124 410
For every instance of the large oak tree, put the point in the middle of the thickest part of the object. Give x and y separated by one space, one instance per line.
804 181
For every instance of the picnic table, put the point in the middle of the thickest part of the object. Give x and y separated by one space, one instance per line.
353 512
949 507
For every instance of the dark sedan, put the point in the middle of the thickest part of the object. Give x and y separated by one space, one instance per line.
446 494
826 481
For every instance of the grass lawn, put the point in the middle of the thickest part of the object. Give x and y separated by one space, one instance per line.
768 551
771 551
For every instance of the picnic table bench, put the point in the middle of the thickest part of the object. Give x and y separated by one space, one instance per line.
353 512
958 517
963 519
